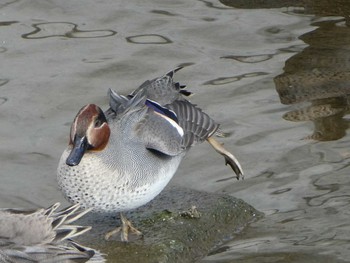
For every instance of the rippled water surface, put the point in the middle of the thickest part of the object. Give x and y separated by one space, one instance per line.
276 77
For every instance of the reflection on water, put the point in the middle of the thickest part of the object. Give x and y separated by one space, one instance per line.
314 7
320 74
262 4
304 194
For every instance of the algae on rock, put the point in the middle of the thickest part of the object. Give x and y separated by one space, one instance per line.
180 225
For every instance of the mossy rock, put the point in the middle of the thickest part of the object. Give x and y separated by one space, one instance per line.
180 225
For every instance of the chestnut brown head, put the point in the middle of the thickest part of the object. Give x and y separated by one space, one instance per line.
89 132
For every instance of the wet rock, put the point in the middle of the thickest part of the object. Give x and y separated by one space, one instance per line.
180 225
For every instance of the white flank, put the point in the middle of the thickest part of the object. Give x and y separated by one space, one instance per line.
173 123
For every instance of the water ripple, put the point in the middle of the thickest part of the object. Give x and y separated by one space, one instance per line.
3 81
148 39
293 48
96 60
226 80
7 23
250 59
281 191
3 100
4 4
162 12
64 29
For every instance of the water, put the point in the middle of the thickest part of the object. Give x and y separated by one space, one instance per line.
241 63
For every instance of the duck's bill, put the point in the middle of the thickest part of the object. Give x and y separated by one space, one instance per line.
80 146
230 159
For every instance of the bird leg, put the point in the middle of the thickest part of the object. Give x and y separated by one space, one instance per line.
230 159
123 229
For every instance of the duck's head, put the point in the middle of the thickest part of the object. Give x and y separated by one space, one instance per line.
89 132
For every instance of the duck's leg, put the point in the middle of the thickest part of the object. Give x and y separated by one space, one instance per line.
123 229
229 157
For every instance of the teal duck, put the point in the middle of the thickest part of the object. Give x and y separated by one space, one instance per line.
122 158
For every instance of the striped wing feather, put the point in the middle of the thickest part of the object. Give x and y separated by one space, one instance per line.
197 125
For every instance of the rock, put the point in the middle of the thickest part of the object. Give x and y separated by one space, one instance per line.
180 225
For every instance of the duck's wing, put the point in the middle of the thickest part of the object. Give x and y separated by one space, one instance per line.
196 124
163 90
42 226
174 128
159 130
178 126
172 124
42 235
26 227
120 104
117 103
197 127
48 254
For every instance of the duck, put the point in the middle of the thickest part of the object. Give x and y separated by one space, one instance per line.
120 159
44 235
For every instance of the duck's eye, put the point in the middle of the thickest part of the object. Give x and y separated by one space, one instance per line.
98 123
